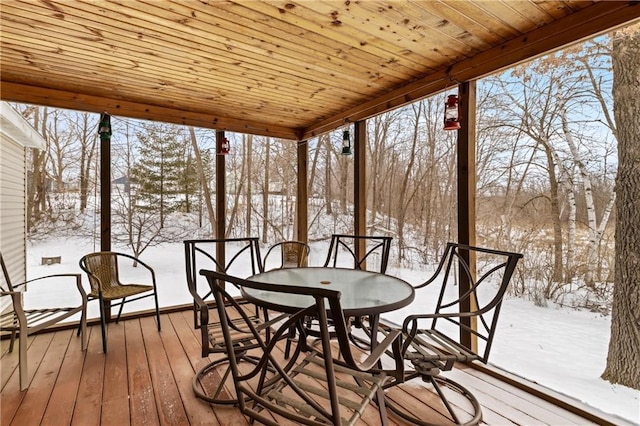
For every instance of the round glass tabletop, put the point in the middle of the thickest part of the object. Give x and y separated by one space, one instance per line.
362 292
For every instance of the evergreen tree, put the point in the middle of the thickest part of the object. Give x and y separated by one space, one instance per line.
157 174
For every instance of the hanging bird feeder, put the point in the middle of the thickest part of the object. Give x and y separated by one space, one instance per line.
452 113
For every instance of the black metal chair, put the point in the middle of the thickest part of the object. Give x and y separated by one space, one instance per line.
293 254
21 321
211 382
325 387
242 258
375 255
431 341
103 270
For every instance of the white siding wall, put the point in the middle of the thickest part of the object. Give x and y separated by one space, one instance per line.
12 212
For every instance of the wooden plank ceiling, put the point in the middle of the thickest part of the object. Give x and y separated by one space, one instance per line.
290 69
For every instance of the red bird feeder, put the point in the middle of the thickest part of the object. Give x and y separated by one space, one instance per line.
452 113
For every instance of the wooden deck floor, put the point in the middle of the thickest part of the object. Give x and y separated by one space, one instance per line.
145 379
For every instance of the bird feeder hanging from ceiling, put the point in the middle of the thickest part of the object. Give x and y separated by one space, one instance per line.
452 113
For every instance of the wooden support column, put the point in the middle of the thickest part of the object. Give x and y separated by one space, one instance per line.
360 184
467 190
221 196
105 194
302 198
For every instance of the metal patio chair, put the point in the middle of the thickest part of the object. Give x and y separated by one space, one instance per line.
293 254
375 257
327 386
431 341
242 259
23 321
212 382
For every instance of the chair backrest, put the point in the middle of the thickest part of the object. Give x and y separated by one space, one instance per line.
5 302
293 254
101 269
475 309
253 382
242 258
8 286
373 257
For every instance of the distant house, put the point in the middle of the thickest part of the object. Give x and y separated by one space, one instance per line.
16 135
122 182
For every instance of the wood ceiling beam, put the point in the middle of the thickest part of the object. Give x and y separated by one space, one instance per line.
597 19
17 92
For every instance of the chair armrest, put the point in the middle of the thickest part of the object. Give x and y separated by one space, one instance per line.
140 262
16 299
410 323
199 301
381 348
77 277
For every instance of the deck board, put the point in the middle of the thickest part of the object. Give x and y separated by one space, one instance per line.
146 378
60 408
198 413
115 392
168 401
141 394
34 403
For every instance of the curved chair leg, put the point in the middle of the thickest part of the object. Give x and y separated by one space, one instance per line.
222 391
457 415
219 388
214 383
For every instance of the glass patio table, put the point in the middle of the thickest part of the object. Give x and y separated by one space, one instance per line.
363 293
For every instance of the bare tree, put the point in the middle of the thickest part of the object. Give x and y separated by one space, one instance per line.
624 346
204 179
325 141
87 136
36 190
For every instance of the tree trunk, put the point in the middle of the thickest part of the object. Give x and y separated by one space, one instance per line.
554 198
87 152
327 174
624 346
203 179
